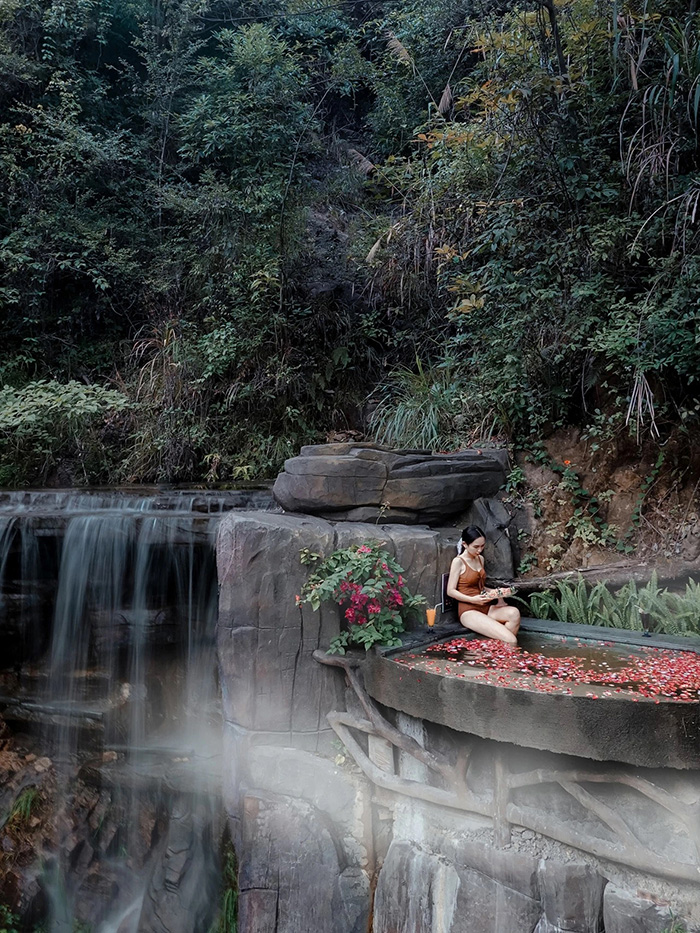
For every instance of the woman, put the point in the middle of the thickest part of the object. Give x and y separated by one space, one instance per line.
478 610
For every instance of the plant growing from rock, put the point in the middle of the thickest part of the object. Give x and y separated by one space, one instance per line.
227 921
676 927
9 923
23 805
369 585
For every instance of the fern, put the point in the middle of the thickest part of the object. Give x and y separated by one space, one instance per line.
667 612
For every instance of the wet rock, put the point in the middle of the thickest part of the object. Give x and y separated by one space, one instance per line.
23 891
625 912
435 882
511 869
182 892
290 871
490 906
95 896
81 857
364 482
257 910
417 892
351 901
572 897
474 888
270 681
342 796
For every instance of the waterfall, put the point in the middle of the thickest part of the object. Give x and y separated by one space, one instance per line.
114 600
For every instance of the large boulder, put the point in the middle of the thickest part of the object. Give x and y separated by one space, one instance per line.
494 520
364 482
416 892
572 897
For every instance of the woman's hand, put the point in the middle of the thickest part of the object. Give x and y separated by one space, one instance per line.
479 600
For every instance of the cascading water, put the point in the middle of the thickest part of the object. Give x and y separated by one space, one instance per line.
118 694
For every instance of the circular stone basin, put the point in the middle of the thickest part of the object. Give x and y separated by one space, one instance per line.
633 701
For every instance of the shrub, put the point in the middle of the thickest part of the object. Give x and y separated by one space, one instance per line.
46 421
369 583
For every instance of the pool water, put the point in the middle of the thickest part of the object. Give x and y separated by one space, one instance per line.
567 666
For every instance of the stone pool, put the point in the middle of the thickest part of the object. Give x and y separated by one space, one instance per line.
608 695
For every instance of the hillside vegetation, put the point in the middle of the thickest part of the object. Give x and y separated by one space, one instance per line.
230 228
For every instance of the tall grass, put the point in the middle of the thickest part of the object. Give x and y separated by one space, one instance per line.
23 805
630 607
432 407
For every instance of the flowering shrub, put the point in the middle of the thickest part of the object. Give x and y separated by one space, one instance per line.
368 583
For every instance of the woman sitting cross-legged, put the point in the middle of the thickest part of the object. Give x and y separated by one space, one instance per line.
478 609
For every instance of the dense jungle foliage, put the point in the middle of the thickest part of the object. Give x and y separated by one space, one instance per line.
224 224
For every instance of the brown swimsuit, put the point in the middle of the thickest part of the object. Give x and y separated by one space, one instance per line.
471 582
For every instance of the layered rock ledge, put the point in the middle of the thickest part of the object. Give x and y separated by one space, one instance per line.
365 482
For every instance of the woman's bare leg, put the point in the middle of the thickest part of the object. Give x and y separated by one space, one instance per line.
508 615
513 627
487 625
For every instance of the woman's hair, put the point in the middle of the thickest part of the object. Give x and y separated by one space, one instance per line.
470 533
